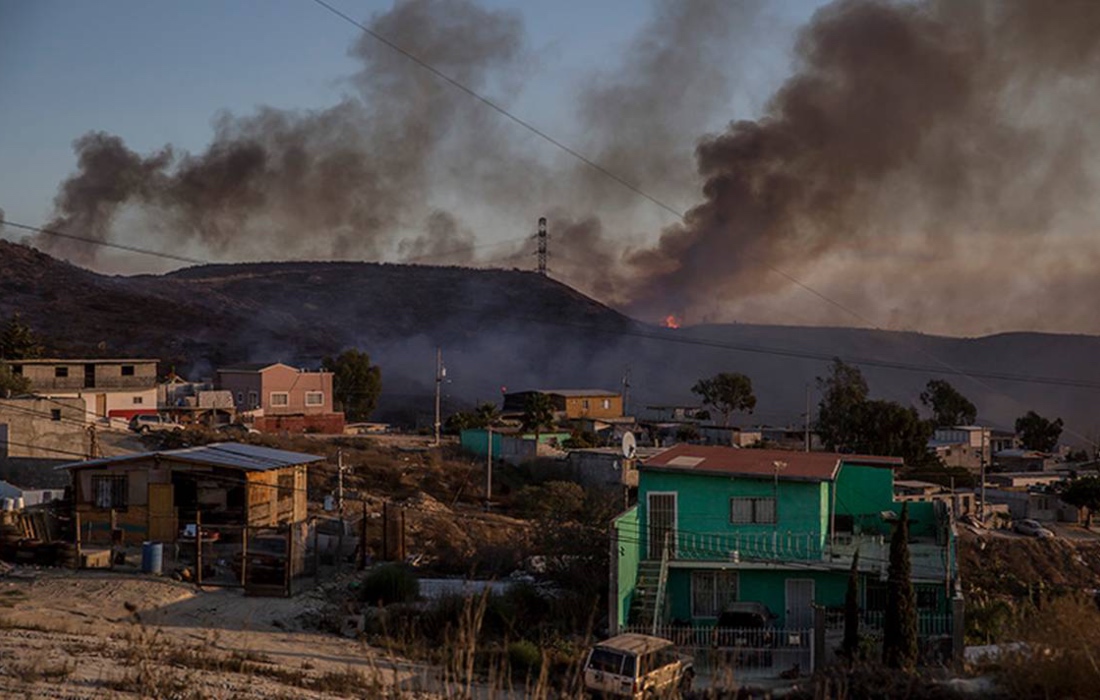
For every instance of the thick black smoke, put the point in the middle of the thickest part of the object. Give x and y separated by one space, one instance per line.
929 152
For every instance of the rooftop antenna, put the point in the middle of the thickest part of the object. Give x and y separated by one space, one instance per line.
542 238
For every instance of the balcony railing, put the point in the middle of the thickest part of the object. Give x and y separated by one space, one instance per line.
928 560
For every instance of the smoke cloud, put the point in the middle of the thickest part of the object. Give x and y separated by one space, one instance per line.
926 165
923 154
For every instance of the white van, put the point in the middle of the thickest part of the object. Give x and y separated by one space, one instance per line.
637 666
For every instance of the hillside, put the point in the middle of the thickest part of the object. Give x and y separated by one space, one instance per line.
506 328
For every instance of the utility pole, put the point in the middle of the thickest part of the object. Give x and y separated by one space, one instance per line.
440 373
807 416
340 485
981 476
542 238
489 471
626 390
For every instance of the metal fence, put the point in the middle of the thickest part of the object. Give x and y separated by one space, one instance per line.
762 652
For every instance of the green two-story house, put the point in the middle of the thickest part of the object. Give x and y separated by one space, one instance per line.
716 526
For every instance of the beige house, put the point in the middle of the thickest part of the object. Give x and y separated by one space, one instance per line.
152 495
41 430
118 388
571 404
278 397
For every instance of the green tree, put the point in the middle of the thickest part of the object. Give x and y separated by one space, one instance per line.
1083 492
482 416
888 428
356 383
899 628
12 384
18 341
538 413
726 392
839 415
1038 433
948 406
850 645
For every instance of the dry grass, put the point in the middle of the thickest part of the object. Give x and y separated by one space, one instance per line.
1060 654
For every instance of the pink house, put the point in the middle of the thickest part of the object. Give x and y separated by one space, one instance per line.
282 398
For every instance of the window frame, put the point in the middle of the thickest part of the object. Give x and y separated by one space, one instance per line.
61 372
127 371
55 414
138 400
309 394
284 395
720 580
757 515
117 494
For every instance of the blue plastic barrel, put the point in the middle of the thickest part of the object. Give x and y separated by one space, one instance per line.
152 557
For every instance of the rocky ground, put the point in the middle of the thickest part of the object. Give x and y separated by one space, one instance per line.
87 634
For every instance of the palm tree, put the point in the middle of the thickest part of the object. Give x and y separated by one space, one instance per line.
538 413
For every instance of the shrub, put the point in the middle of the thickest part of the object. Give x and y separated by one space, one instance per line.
390 583
524 656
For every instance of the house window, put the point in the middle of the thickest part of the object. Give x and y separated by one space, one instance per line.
240 398
712 592
926 597
315 398
17 370
109 491
127 370
606 404
584 404
55 414
752 510
253 399
280 398
138 400
61 372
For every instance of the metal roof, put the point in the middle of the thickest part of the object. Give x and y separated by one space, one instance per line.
249 367
784 464
233 455
569 392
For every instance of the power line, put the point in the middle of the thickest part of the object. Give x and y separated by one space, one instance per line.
458 85
109 244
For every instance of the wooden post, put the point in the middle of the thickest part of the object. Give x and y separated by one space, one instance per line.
114 529
289 555
316 555
244 555
385 531
198 547
79 552
401 538
362 563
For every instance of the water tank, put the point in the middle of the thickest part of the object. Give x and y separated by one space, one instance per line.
152 557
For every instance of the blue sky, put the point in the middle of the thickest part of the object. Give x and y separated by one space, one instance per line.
157 73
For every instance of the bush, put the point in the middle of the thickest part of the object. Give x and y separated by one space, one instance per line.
390 583
524 656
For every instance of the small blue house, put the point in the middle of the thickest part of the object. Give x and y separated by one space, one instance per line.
715 526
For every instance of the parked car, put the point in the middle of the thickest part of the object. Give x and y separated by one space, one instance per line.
746 631
145 423
266 559
237 429
637 666
1032 528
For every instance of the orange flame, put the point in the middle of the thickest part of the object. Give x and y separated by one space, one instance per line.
671 321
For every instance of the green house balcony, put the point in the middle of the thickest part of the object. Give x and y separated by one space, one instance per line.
929 559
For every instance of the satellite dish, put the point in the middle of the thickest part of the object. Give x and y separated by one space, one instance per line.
630 445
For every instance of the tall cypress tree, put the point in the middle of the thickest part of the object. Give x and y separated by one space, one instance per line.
850 645
899 644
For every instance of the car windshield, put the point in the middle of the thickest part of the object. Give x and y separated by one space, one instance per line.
607 661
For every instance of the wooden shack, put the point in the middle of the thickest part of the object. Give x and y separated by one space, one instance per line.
151 495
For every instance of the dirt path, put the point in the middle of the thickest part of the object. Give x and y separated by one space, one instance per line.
97 635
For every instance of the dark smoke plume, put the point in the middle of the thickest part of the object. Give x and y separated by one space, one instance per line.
927 133
338 182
